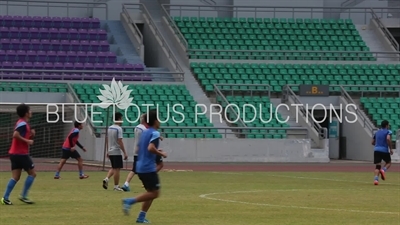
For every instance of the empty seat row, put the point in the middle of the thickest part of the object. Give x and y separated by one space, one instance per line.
54 45
74 76
71 66
262 20
49 22
59 56
53 33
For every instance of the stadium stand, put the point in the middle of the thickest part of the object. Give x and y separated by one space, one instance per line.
278 75
210 33
379 109
54 43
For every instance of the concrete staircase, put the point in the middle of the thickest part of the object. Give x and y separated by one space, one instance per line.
373 41
191 83
119 40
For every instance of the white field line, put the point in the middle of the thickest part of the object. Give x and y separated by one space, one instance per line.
206 196
309 178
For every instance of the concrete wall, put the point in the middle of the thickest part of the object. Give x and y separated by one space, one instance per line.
32 97
191 11
358 140
326 101
222 150
318 13
61 9
362 18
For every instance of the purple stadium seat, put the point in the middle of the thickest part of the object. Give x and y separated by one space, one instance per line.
33 76
128 67
57 22
37 65
51 56
7 21
6 65
28 65
92 57
13 32
61 56
71 56
11 55
108 66
58 66
66 22
17 65
68 66
28 21
18 21
4 32
2 55
98 66
41 56
82 57
88 66
48 66
38 21
53 76
78 66
31 56
86 23
75 46
24 33
105 47
118 66
138 67
47 22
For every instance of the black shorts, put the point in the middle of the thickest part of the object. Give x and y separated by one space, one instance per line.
159 159
134 163
117 161
379 156
66 154
21 162
150 181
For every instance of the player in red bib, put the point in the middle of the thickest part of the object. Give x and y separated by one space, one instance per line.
69 151
19 156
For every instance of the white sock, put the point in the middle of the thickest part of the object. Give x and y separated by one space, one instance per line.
106 179
116 186
126 184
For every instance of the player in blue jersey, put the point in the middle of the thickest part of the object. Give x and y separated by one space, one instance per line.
146 168
383 149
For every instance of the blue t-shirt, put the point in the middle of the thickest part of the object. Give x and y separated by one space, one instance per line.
146 160
380 138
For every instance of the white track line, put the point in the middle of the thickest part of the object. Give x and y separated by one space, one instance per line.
308 178
206 196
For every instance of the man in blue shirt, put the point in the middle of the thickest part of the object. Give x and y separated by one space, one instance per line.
383 149
146 168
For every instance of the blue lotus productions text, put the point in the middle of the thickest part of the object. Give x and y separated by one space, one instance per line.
231 113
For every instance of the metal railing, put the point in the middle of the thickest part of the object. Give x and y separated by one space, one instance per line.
64 8
227 131
382 90
287 93
230 109
385 31
270 12
162 39
367 123
290 55
350 3
91 75
135 27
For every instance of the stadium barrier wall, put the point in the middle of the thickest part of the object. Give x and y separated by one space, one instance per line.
358 138
228 150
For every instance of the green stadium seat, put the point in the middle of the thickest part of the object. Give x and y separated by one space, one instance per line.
379 109
272 34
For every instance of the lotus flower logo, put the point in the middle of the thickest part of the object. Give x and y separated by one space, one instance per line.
116 94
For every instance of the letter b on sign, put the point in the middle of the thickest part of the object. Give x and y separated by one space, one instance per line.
314 90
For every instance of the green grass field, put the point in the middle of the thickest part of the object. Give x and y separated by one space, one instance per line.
196 198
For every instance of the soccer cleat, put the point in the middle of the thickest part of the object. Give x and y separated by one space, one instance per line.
382 172
376 182
25 200
118 189
83 177
5 202
105 184
125 207
126 188
143 221
57 177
